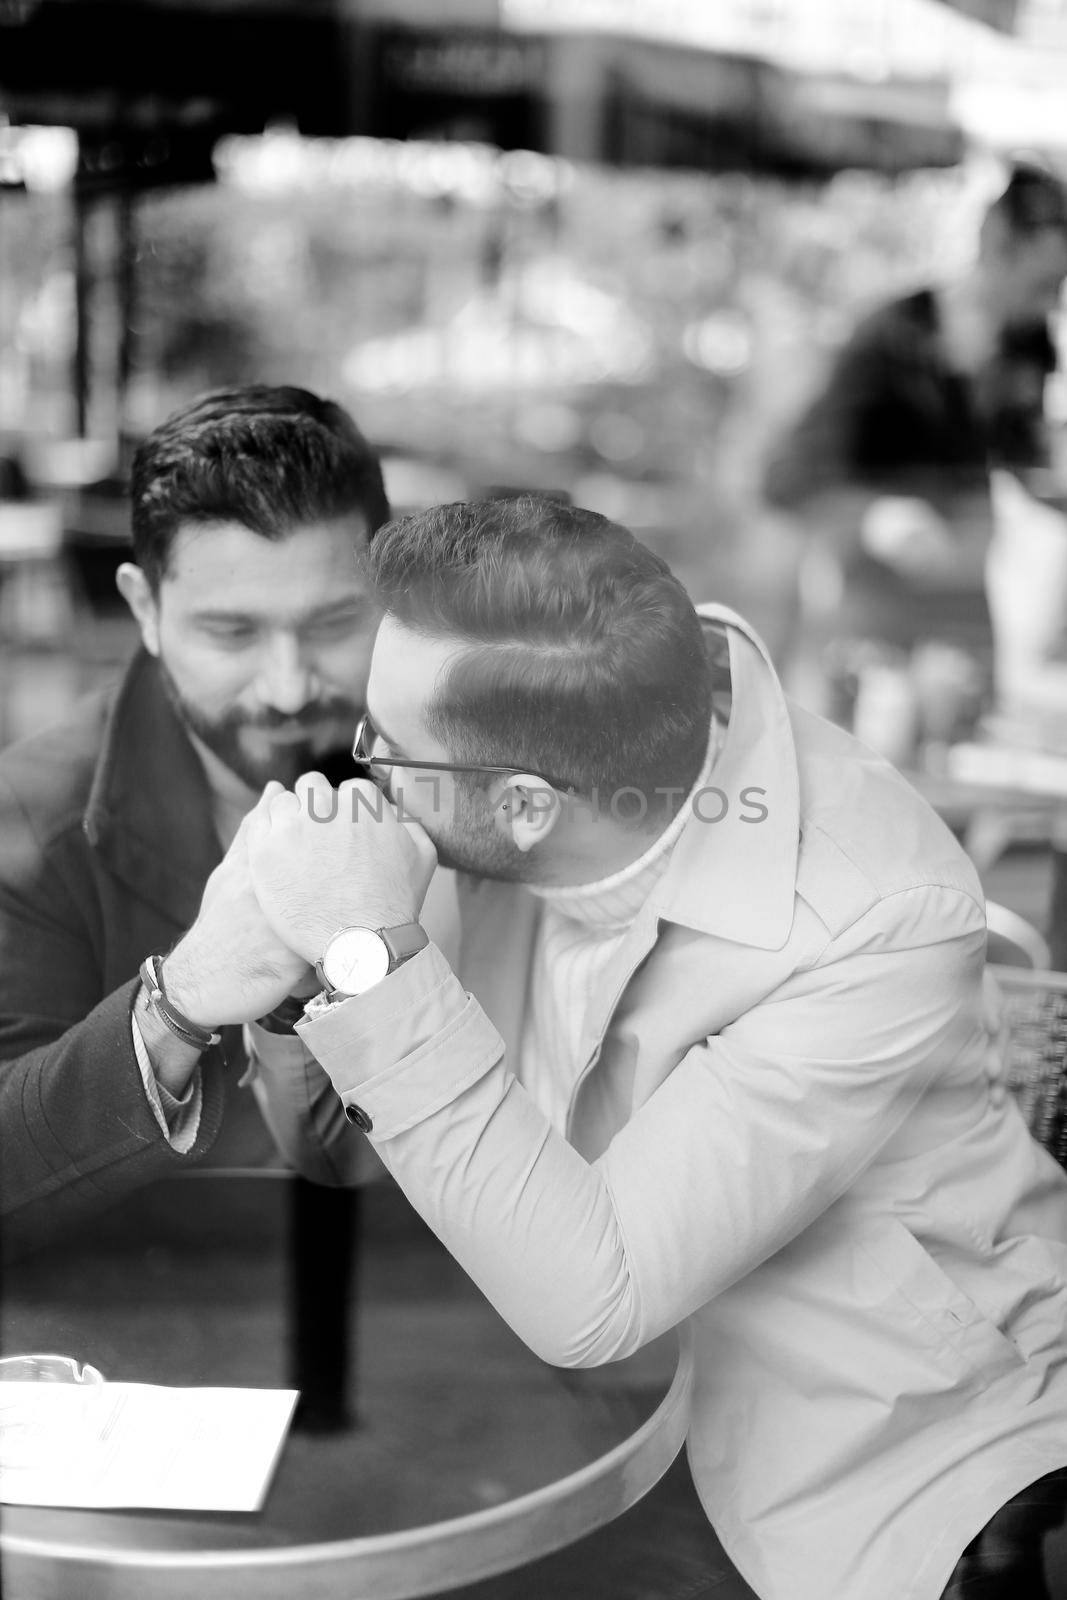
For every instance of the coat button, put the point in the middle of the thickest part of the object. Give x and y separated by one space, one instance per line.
359 1117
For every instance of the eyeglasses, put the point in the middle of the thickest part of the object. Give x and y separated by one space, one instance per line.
367 736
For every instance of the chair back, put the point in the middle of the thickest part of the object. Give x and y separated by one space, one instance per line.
1033 1034
1014 942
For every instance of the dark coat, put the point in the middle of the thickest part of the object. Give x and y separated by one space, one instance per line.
106 842
893 417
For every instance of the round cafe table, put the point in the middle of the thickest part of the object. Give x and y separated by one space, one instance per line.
467 1456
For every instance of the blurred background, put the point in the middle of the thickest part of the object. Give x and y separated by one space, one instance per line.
600 247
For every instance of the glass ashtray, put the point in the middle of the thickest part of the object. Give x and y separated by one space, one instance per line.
47 1369
32 1435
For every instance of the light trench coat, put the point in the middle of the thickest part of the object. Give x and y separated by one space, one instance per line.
783 1134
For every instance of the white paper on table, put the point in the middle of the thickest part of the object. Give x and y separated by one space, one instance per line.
140 1444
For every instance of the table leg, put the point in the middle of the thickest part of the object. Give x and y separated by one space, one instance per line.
323 1256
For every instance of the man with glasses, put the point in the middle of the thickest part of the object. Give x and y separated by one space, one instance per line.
712 1053
249 507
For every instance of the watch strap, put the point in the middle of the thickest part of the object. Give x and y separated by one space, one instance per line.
404 942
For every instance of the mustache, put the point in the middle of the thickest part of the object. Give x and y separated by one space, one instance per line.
310 717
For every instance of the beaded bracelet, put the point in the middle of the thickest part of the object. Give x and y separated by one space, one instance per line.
191 1033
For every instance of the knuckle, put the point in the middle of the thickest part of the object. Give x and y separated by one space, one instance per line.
362 786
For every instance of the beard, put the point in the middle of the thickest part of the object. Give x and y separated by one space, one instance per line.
321 746
482 858
470 843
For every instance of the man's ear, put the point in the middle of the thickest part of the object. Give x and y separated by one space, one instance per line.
527 809
135 589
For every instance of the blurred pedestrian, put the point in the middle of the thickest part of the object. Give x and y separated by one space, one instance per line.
888 469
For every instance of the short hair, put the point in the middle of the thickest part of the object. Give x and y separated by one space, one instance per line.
585 659
1032 201
267 457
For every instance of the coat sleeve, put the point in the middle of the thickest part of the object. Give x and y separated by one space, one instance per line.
752 1137
76 1129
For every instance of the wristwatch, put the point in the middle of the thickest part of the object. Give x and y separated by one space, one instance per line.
357 958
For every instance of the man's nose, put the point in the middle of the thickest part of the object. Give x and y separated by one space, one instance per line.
287 679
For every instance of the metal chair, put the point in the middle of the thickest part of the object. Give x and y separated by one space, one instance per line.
1014 942
1033 1037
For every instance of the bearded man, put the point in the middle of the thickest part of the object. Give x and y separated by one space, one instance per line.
249 507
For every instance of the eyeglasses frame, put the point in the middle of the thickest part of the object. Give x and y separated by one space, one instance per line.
365 759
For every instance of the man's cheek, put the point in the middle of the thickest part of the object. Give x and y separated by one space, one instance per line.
418 798
211 680
344 674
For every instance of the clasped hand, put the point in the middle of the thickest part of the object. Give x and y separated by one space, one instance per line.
304 864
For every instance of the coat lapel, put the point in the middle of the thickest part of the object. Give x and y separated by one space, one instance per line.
733 879
149 810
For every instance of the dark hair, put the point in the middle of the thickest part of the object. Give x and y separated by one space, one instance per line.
585 659
1032 201
269 458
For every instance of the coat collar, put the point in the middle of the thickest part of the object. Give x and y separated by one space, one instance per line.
736 878
149 808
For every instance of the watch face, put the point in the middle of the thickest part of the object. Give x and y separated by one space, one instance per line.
354 960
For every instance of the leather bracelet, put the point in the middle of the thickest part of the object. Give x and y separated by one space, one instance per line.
284 1017
191 1033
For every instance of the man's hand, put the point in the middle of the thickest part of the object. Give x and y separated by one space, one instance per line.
323 861
232 966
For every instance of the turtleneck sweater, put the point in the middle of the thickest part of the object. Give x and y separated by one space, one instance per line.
579 931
